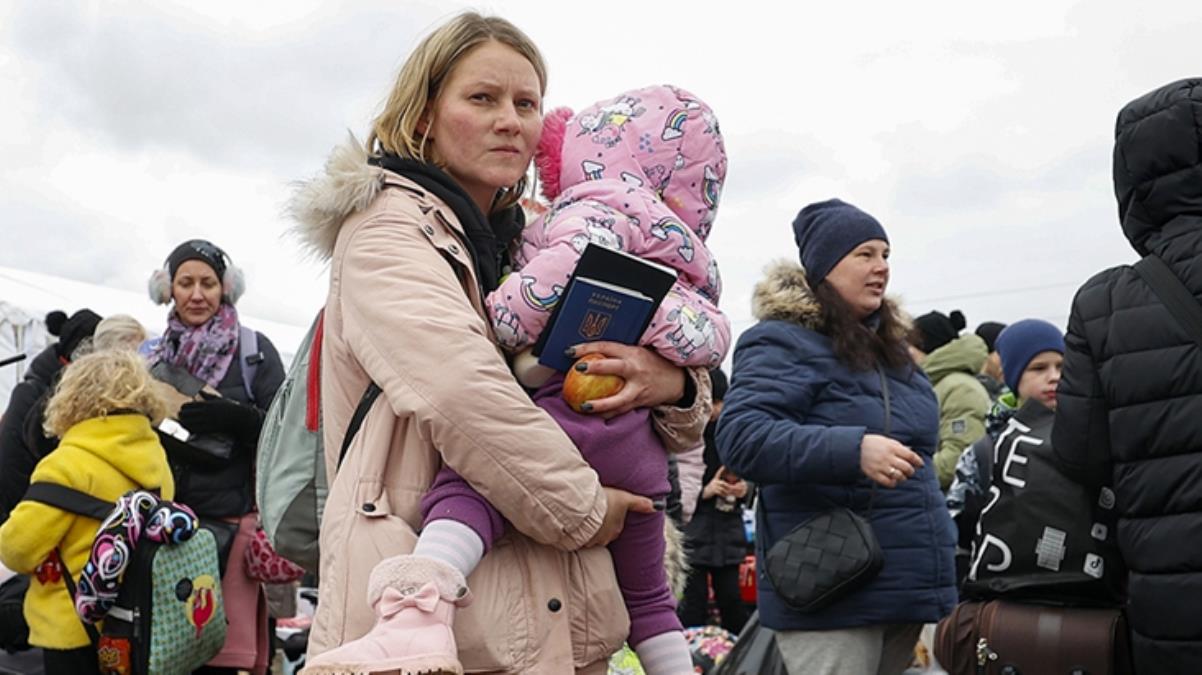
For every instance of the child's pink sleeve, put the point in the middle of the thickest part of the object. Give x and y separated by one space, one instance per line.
689 330
522 304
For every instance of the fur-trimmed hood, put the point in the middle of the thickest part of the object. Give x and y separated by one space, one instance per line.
785 295
320 205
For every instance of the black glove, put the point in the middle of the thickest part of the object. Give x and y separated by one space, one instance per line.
222 416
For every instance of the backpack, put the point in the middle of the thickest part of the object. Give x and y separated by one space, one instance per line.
290 478
168 617
1040 535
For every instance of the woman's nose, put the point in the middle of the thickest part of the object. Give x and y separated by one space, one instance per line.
507 119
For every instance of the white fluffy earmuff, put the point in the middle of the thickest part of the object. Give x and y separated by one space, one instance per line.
159 287
233 282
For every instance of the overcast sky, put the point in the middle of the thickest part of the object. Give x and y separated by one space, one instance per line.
978 133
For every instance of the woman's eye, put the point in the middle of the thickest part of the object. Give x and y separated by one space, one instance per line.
481 97
527 104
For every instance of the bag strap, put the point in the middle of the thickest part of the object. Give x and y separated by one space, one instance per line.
69 499
888 427
248 353
90 629
313 377
1178 299
365 403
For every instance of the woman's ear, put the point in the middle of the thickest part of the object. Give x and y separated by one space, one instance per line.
423 122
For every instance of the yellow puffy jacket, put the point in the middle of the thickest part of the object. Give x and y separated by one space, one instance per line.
104 457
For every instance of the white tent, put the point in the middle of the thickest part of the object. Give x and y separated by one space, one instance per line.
20 333
26 297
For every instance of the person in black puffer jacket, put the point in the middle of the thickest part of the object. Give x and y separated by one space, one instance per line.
1132 381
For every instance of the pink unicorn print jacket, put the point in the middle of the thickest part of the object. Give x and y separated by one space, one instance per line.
641 173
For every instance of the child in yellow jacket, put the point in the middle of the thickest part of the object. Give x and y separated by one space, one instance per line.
103 409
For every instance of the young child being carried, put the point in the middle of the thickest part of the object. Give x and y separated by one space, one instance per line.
641 173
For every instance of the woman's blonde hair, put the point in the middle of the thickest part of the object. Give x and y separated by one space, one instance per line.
119 331
112 382
418 85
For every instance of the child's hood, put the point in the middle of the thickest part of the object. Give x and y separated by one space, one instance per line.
126 442
661 138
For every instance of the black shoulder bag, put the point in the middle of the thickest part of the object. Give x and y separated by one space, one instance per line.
830 555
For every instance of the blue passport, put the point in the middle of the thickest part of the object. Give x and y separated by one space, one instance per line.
611 296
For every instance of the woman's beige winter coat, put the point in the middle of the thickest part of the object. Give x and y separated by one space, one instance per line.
405 311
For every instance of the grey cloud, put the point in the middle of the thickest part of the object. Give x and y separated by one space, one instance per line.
57 239
770 162
149 78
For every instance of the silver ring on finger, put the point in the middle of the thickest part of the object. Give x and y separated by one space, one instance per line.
893 472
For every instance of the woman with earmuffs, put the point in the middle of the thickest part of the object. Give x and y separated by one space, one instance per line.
204 337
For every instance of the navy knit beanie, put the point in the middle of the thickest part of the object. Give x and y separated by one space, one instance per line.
1022 341
827 231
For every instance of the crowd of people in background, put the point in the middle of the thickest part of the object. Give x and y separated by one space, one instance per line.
479 522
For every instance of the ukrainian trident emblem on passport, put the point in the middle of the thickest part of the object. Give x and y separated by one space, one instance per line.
593 325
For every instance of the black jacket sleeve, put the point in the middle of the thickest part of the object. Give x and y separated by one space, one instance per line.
16 458
1081 435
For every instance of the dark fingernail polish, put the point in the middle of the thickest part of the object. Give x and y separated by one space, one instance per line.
586 407
571 352
581 367
659 504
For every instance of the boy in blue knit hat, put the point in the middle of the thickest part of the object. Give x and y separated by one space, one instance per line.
1031 353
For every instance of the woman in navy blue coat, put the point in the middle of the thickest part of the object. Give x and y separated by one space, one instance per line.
805 420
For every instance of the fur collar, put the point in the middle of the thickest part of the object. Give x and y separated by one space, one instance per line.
784 295
319 206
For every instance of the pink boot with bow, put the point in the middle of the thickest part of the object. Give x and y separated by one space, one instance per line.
415 599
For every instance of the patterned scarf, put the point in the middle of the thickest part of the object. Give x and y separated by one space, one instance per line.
138 515
206 350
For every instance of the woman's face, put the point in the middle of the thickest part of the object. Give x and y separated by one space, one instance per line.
861 277
1040 378
196 291
486 121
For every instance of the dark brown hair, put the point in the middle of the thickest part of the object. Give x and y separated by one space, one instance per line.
855 343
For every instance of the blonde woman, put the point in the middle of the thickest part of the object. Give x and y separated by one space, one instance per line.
418 227
119 331
102 409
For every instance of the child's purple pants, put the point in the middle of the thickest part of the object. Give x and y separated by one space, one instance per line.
626 454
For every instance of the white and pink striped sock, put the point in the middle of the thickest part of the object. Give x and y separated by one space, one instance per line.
665 654
451 542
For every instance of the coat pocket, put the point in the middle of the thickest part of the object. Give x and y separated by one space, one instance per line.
597 614
491 630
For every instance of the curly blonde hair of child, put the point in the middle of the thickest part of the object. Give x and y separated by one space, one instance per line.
112 382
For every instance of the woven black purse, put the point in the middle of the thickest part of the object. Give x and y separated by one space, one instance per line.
829 555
